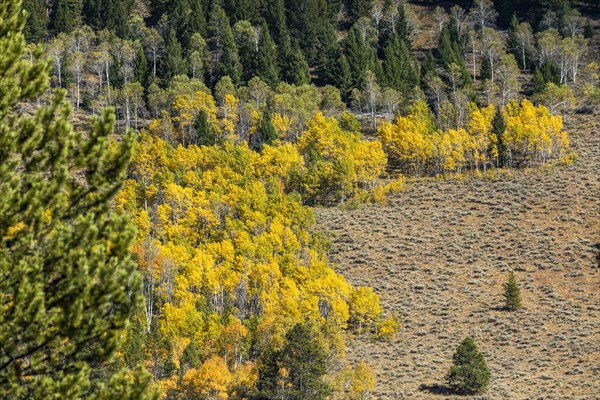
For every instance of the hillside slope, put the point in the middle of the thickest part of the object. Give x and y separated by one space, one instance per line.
438 254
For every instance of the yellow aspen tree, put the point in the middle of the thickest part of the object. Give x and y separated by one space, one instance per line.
212 380
363 381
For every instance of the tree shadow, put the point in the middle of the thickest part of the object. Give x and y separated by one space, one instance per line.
597 247
437 389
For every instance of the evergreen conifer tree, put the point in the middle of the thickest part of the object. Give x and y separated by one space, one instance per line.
66 16
486 69
203 131
358 8
267 67
222 44
512 41
550 72
173 63
499 127
512 293
116 14
470 373
141 66
429 64
295 69
67 282
37 21
400 72
303 18
538 81
360 56
303 360
265 133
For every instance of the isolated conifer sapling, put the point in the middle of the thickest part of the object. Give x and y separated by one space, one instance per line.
512 293
470 373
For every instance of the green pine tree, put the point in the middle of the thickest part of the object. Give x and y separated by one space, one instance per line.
486 69
360 56
267 67
67 283
429 65
538 81
37 20
303 20
244 34
358 8
173 63
550 72
295 69
470 373
117 16
512 293
265 132
499 128
399 70
304 360
66 16
512 42
222 44
204 135
141 66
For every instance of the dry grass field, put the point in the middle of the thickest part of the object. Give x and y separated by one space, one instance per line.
438 254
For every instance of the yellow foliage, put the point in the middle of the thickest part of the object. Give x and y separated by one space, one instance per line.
409 141
12 231
533 135
338 162
229 256
211 380
364 307
363 381
388 328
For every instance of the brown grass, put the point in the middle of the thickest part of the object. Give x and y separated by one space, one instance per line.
438 254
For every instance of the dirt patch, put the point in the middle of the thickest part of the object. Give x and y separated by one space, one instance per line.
438 254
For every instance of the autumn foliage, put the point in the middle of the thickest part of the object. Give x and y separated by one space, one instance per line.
533 136
228 254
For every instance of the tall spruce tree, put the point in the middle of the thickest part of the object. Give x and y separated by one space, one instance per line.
338 74
173 63
267 67
247 46
141 66
499 128
303 21
222 45
304 360
66 16
358 8
67 284
37 20
294 68
203 134
360 56
265 132
399 69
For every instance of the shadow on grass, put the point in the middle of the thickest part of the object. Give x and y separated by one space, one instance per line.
437 389
597 247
